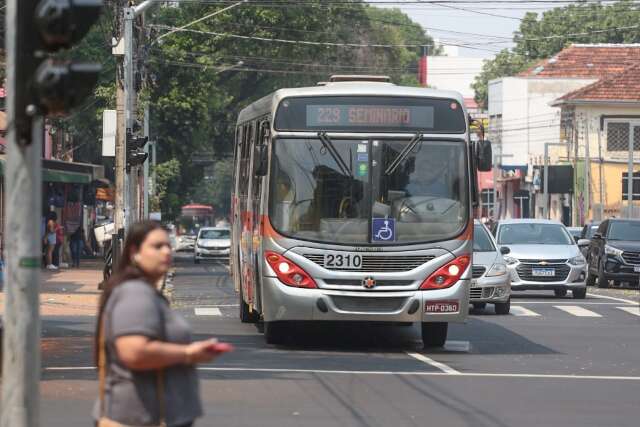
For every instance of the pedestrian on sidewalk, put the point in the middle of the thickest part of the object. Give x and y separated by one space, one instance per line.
77 243
144 350
50 240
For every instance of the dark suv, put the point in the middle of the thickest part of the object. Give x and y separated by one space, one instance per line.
614 253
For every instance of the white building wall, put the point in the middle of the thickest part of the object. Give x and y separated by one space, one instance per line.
528 120
453 73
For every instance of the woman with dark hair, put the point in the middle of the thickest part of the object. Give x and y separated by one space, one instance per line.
143 349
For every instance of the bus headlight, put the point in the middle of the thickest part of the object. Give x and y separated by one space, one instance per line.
288 272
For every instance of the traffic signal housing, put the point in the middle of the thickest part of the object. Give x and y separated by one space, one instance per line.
59 85
135 150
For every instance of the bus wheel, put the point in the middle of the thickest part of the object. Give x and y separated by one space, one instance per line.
434 334
275 332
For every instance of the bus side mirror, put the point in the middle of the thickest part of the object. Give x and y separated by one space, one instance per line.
262 160
484 156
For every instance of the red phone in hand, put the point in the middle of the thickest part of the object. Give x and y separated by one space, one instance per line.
220 347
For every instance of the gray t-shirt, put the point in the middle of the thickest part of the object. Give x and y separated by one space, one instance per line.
135 308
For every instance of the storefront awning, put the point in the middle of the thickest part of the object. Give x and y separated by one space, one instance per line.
51 175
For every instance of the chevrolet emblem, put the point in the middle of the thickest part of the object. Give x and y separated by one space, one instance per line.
544 263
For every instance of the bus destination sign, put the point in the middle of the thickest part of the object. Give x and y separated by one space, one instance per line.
346 116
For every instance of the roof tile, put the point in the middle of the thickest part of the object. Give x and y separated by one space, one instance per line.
587 61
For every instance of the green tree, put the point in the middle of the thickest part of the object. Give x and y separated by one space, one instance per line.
541 37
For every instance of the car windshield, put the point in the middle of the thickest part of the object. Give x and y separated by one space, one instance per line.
481 240
214 234
533 234
624 230
591 231
350 192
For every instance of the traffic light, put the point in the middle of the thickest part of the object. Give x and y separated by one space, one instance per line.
49 85
135 149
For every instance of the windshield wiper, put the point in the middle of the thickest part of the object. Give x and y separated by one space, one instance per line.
403 154
328 144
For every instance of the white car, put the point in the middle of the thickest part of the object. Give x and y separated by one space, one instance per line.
212 243
491 282
542 256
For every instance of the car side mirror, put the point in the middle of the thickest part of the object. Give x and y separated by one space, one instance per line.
584 242
505 250
262 160
484 155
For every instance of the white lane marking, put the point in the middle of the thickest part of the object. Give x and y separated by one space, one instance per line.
405 373
628 301
207 311
227 305
577 311
458 346
429 361
572 302
516 310
632 310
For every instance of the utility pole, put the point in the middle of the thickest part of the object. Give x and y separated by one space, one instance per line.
145 181
600 167
21 341
587 170
497 162
546 175
38 84
630 174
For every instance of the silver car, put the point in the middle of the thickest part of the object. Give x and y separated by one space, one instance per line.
543 256
490 283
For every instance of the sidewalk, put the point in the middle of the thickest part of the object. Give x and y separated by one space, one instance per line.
69 291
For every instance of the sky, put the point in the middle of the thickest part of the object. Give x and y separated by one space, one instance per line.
500 29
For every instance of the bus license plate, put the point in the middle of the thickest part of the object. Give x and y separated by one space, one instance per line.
441 307
340 260
543 272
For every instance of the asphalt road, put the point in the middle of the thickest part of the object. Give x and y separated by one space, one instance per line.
553 362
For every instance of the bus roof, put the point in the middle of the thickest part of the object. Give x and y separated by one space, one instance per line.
269 103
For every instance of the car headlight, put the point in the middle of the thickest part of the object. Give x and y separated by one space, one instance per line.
610 250
578 260
498 269
510 260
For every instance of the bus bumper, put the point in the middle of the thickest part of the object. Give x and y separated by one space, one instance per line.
286 303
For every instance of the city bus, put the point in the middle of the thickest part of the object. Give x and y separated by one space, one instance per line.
352 201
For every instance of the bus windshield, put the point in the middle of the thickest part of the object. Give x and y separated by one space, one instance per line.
315 197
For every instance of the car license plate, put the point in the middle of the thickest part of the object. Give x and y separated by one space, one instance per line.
543 272
441 307
636 268
342 261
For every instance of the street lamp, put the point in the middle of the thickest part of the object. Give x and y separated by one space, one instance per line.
546 174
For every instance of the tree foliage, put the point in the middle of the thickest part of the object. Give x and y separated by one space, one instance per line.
541 37
195 83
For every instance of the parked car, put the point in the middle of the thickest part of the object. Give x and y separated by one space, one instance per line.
212 243
614 253
185 242
586 234
490 282
543 256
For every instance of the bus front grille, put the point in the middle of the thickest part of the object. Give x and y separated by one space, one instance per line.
377 263
368 305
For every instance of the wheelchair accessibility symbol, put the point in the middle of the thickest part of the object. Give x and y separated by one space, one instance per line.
383 230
